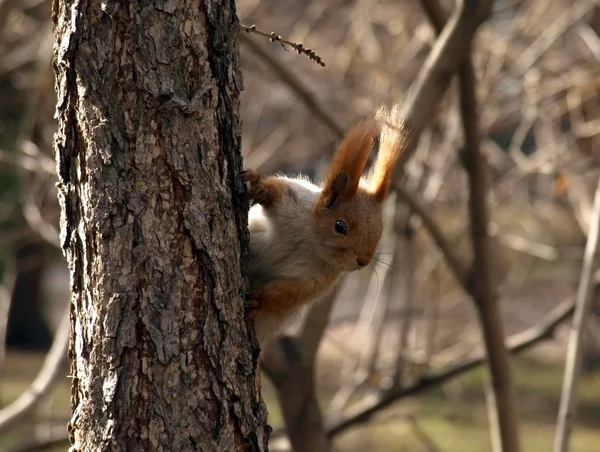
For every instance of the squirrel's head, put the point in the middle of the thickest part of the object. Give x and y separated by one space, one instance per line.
348 215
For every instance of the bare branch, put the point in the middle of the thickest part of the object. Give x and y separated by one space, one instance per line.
276 38
458 267
552 33
567 409
39 445
45 380
315 324
448 51
484 290
296 86
6 290
518 343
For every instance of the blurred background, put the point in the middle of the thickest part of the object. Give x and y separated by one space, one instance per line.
538 68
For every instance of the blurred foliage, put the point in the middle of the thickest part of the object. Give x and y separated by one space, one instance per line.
538 68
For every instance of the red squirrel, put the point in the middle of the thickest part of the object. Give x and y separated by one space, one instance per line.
304 238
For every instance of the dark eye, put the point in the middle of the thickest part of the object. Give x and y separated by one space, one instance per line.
340 227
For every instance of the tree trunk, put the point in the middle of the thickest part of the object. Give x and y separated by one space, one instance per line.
153 225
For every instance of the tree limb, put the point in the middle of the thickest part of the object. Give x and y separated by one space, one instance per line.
568 402
296 85
484 290
6 290
44 382
516 344
458 267
449 49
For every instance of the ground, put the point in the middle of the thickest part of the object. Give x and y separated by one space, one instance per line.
448 423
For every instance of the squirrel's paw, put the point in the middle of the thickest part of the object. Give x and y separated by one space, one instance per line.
251 305
260 191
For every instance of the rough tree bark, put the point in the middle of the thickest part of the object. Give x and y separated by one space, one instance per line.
153 218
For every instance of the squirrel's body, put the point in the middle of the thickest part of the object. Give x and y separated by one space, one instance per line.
304 238
269 258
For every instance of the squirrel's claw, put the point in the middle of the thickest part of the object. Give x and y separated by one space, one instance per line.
256 192
263 193
251 176
251 306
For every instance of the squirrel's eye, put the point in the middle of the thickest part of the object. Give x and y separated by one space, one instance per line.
340 227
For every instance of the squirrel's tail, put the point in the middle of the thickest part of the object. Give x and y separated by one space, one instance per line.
392 141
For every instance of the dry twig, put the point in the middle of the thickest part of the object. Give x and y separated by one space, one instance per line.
6 290
483 288
516 344
44 382
276 38
568 402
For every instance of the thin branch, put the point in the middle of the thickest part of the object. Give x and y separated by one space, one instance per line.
45 380
6 290
39 445
314 325
276 38
426 440
551 33
518 343
484 290
296 85
451 47
354 375
567 409
427 91
456 264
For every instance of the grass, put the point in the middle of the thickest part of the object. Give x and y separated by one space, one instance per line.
461 425
457 425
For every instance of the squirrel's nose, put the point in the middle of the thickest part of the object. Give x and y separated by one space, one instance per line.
362 261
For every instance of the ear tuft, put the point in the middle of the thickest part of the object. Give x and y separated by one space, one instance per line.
392 141
348 164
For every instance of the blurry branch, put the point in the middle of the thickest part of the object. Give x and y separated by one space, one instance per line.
297 86
517 343
404 232
6 290
294 45
435 13
551 33
35 219
54 439
524 245
567 409
458 267
290 364
5 7
45 380
484 289
29 162
426 440
480 283
449 49
355 370
314 326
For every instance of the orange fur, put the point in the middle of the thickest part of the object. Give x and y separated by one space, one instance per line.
391 144
284 294
348 164
296 253
266 191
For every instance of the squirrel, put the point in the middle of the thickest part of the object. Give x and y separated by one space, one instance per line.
304 238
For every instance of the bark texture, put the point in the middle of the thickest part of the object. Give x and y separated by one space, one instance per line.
153 218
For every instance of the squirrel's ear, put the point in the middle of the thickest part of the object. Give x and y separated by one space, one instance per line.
392 140
348 164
